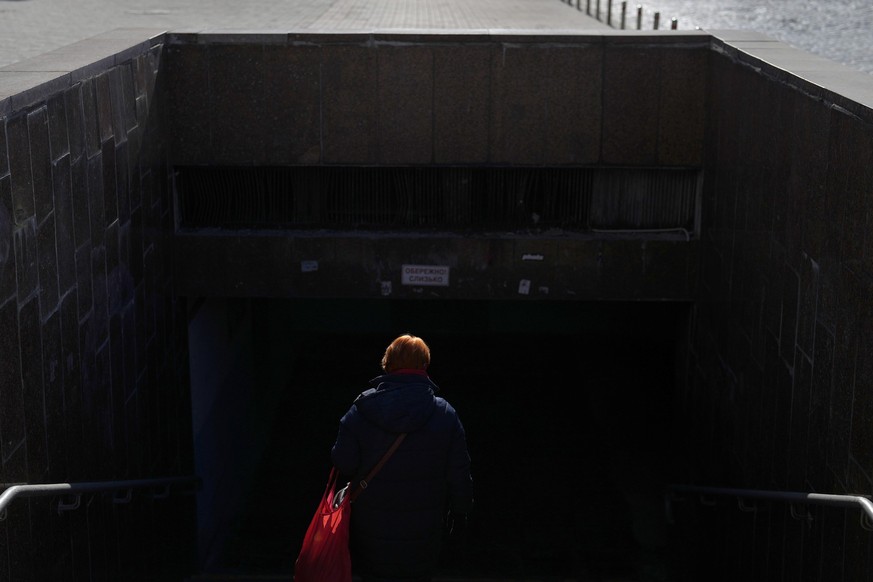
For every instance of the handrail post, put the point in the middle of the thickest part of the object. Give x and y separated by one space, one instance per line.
657 19
674 24
588 7
639 16
623 12
598 10
609 12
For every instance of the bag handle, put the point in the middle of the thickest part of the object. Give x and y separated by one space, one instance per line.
364 483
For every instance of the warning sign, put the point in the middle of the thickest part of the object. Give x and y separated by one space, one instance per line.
425 275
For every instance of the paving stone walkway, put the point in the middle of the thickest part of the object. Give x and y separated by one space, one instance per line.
29 28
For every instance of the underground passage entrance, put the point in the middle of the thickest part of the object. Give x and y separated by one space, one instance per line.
567 408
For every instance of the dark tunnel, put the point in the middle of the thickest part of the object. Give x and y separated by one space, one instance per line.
567 408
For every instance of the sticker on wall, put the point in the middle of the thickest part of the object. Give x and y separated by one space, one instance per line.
425 275
386 288
308 266
524 287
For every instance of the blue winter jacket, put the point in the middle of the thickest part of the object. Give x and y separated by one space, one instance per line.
396 524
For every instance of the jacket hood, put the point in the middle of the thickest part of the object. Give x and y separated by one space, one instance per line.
398 402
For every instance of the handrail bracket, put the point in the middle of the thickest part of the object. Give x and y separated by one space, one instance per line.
63 506
800 514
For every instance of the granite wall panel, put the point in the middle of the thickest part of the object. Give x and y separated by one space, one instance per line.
517 114
571 93
116 97
91 120
40 163
292 89
103 105
53 400
852 177
807 220
71 372
116 390
122 180
75 120
128 93
798 425
96 199
26 262
405 113
19 169
630 123
7 242
12 398
110 185
461 104
62 188
79 195
99 318
682 86
4 156
187 81
349 105
818 475
32 389
133 149
57 126
116 286
236 102
788 300
48 267
84 287
862 406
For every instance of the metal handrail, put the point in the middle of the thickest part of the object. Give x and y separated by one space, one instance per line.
15 491
792 497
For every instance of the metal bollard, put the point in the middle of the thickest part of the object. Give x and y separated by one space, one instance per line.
639 16
623 13
598 10
588 7
609 12
657 19
674 24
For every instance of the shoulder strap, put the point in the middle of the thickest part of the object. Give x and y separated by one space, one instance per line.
363 483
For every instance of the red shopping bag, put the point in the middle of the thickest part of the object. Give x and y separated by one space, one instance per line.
324 556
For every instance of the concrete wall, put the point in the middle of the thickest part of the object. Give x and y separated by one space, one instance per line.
622 99
780 391
93 364
406 99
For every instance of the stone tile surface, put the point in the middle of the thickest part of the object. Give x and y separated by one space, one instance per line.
30 29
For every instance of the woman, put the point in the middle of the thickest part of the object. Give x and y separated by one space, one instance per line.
396 525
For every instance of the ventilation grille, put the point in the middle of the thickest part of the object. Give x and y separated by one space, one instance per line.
454 199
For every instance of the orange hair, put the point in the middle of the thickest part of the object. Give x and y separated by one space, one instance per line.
406 352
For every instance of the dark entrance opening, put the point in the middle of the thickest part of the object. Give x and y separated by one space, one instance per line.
567 408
